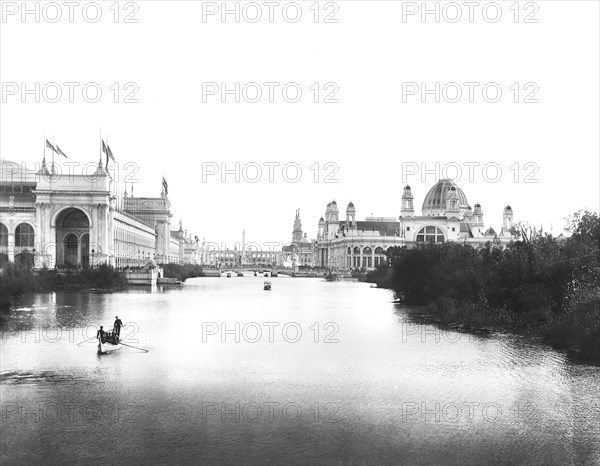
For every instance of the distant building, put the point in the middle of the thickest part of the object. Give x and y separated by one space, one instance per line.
76 221
301 251
446 216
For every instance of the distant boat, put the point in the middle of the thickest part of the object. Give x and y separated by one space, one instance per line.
267 286
255 273
240 274
330 277
266 274
228 275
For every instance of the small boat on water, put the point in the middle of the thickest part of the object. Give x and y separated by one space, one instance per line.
108 343
240 274
255 274
228 275
267 286
266 274
330 277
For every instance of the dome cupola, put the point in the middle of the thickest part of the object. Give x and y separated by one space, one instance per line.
434 203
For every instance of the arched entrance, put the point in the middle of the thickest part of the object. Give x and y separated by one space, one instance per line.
72 238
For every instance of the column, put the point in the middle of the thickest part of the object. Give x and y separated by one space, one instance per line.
79 264
11 243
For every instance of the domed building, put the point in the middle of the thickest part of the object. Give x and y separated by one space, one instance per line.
446 215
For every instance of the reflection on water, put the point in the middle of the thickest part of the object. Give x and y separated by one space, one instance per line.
313 371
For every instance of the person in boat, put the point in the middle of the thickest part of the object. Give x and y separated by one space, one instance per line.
117 326
101 334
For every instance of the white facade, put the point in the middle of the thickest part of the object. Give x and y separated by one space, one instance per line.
74 221
446 216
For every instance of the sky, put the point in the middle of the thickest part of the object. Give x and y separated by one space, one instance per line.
361 128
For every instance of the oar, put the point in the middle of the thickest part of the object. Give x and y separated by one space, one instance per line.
135 347
86 341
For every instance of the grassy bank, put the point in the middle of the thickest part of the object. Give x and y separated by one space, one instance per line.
182 272
18 281
536 286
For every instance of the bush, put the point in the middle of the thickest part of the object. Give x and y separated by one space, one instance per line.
182 272
535 285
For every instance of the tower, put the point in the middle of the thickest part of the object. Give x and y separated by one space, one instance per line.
350 215
297 233
321 229
333 225
452 208
407 209
507 219
477 216
468 218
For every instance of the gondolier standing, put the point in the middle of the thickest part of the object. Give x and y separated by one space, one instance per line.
117 326
100 334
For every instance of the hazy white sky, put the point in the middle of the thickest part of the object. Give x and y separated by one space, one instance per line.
370 137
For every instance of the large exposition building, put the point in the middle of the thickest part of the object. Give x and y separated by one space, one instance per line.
446 216
75 221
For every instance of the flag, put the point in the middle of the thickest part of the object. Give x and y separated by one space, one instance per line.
50 146
104 148
58 151
110 154
165 185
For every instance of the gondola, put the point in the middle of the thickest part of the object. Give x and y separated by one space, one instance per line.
267 286
109 343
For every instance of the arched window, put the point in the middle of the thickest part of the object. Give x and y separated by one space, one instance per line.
379 250
24 259
3 235
71 247
367 259
24 236
356 250
349 250
430 234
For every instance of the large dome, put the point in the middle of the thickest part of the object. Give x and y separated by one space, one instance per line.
435 200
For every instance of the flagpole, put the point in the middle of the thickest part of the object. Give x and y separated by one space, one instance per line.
53 154
106 152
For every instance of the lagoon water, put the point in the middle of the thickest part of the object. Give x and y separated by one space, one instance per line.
311 372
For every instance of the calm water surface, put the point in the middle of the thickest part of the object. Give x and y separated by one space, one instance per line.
323 373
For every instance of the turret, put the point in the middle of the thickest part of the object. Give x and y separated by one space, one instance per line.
407 209
297 233
350 215
468 218
507 218
335 213
478 216
452 208
321 229
333 224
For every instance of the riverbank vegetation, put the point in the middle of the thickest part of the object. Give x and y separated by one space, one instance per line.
182 272
537 285
17 280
